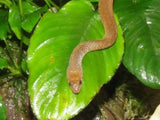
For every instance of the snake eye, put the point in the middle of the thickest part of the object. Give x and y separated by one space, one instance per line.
80 82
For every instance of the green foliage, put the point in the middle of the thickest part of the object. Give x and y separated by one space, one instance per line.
20 19
15 21
3 61
31 15
25 17
8 3
24 65
2 110
4 26
56 36
48 55
140 23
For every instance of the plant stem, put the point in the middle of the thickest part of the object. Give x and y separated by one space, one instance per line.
20 7
9 53
13 2
15 70
21 51
53 4
32 3
49 5
21 43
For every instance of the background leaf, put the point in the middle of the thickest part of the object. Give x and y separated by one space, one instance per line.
141 26
2 110
15 20
6 2
31 15
48 55
24 65
3 63
3 60
4 26
30 20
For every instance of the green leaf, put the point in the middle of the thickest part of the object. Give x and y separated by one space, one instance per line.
140 20
4 26
3 63
2 110
31 15
15 21
24 65
25 40
50 48
28 8
3 60
8 3
30 20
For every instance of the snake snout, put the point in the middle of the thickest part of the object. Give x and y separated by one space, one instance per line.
75 80
75 86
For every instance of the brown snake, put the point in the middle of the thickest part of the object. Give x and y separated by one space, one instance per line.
74 70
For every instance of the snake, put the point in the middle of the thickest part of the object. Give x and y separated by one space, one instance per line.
74 70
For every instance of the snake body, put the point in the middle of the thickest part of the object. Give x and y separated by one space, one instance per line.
74 70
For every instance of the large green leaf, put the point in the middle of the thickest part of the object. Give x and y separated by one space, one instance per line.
140 20
2 110
50 48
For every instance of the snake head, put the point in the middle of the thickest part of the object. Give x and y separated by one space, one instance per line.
75 79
